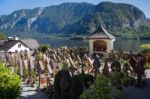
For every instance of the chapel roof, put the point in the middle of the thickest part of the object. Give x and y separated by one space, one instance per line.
101 33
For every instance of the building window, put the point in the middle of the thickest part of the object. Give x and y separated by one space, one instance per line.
19 45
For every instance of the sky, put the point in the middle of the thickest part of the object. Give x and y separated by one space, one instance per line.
8 6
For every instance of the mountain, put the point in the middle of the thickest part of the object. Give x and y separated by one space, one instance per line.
47 20
113 15
72 18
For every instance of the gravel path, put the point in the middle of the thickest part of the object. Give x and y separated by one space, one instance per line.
31 93
138 93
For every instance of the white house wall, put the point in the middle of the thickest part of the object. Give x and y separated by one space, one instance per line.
21 48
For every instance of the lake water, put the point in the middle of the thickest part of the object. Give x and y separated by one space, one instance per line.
119 44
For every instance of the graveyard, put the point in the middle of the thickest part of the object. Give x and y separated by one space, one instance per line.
69 73
74 49
30 71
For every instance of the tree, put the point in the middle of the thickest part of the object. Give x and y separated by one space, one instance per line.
9 83
2 36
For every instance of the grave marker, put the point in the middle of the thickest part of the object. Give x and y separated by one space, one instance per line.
20 67
41 65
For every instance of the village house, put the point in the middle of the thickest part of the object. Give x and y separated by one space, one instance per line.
100 41
14 44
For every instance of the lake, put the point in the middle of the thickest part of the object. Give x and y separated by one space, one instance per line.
119 44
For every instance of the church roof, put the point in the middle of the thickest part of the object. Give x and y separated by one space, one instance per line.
101 33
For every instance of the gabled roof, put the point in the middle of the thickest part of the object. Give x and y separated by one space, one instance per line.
7 44
31 43
101 33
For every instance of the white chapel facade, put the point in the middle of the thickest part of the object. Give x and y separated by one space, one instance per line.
100 41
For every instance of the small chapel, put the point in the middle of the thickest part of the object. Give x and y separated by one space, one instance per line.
101 41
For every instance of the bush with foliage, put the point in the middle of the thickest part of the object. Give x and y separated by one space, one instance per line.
128 81
65 50
9 83
147 65
43 48
78 83
2 36
87 79
57 84
116 77
145 48
85 49
101 89
25 73
76 86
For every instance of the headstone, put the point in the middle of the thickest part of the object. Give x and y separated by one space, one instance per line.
41 65
85 55
20 67
72 55
31 63
3 56
90 61
59 59
79 59
48 59
71 62
44 56
27 55
59 53
49 69
55 52
54 57
68 63
55 65
25 63
12 59
65 58
105 70
72 68
96 65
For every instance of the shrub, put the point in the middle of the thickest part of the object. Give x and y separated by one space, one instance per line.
25 73
43 48
76 86
147 65
115 78
9 83
87 79
2 36
145 48
127 81
66 85
101 89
